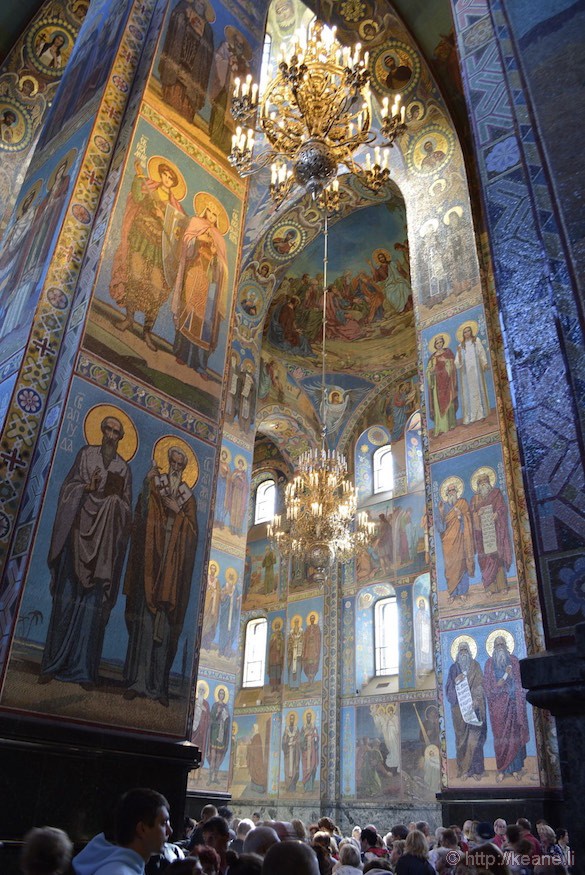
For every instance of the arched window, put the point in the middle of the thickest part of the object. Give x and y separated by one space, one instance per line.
255 653
383 469
265 502
386 636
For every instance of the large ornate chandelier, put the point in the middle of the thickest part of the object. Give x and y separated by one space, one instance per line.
315 114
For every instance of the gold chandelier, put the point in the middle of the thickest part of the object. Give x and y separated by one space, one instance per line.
314 114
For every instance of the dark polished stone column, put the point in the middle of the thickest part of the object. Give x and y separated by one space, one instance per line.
556 682
54 774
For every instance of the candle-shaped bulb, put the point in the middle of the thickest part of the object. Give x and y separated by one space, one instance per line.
237 86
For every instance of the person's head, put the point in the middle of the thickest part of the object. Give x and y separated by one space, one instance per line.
397 850
464 657
189 866
399 831
349 855
484 831
500 826
256 818
439 342
368 838
168 177
112 433
300 829
428 147
442 860
177 461
216 833
513 833
290 858
416 844
484 485
221 695
323 838
9 117
259 840
244 827
209 858
449 838
546 834
142 821
468 330
225 812
524 825
467 828
562 835
46 851
487 858
208 811
423 827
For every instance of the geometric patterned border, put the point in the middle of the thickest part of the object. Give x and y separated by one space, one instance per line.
27 411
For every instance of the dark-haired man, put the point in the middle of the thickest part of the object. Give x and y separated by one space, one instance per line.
216 835
142 827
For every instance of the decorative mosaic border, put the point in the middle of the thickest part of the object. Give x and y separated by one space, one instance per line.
27 410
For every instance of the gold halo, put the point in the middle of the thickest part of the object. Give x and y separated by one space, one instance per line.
231 574
205 686
213 562
32 79
296 617
230 32
202 200
235 729
313 614
453 480
459 640
308 711
93 431
421 106
419 598
34 189
446 337
277 624
458 210
499 633
249 365
160 457
381 251
180 189
485 469
234 354
243 458
67 161
227 452
294 713
226 691
362 28
469 323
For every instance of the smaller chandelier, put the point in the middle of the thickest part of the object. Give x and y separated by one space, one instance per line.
321 520
315 114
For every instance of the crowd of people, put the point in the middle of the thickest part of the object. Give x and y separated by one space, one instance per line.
220 844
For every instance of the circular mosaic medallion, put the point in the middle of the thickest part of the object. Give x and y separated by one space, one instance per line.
57 298
251 301
102 144
395 69
286 240
49 44
431 150
29 400
81 213
377 436
15 125
120 83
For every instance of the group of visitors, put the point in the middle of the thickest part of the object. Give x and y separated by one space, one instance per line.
220 844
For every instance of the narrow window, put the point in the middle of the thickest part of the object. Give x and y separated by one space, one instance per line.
386 636
265 501
383 470
255 653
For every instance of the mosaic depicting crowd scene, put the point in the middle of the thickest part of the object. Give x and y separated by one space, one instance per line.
142 843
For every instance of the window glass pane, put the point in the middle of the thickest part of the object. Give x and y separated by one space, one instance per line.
255 653
386 636
383 470
265 502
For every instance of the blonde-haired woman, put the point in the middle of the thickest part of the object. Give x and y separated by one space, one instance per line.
415 860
